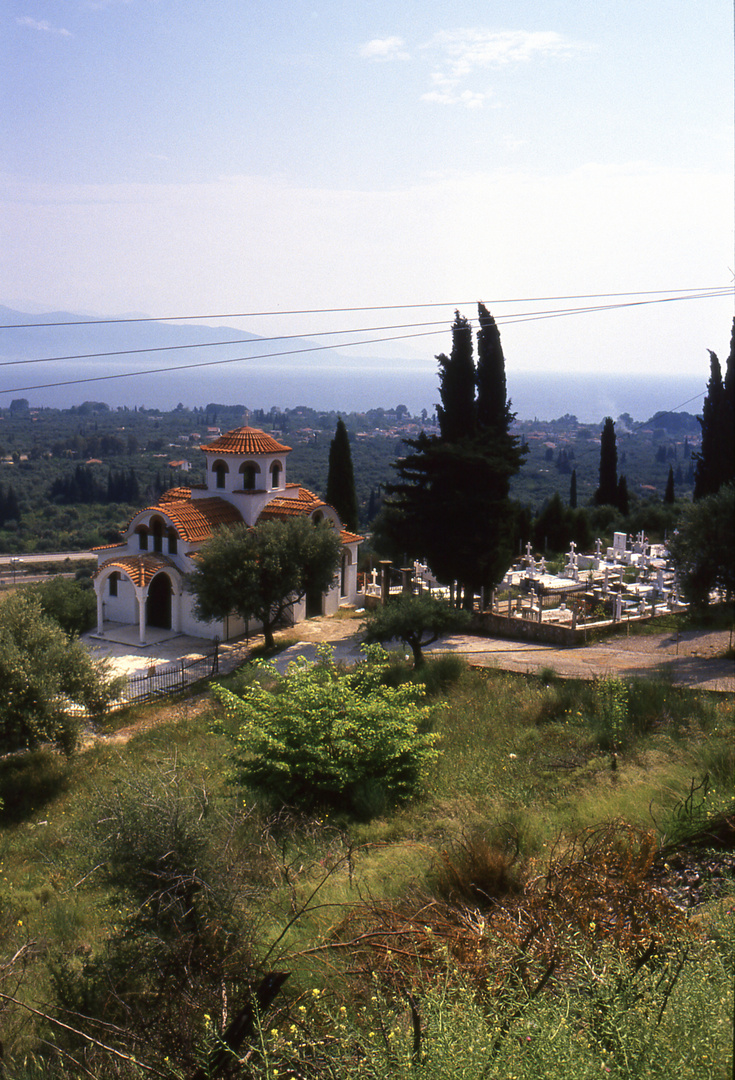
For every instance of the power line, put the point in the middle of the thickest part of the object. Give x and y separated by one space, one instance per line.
715 289
505 320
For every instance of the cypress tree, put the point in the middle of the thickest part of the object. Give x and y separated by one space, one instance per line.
341 478
573 490
727 417
706 478
451 503
457 384
607 492
493 409
669 493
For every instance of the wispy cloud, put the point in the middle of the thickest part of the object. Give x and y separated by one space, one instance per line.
464 53
458 55
468 50
471 99
390 48
43 26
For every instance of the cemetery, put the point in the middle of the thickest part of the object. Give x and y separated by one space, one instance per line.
630 581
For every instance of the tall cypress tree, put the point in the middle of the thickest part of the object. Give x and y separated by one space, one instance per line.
607 492
341 478
727 417
669 493
493 409
706 476
457 384
573 490
451 502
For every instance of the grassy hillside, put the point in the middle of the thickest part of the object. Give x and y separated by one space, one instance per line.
529 915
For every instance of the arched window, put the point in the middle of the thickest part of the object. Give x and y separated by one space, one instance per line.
157 527
173 542
220 470
142 532
318 516
112 583
249 471
276 469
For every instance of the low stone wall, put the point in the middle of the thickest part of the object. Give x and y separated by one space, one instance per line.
490 625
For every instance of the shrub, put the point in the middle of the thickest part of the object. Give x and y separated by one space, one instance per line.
319 738
43 675
71 604
181 943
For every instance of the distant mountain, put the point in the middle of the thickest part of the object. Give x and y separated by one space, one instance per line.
161 364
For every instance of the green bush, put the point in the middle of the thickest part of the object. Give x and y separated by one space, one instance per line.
71 604
43 675
177 878
319 738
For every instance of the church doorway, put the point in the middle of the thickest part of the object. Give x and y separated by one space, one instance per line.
313 603
158 605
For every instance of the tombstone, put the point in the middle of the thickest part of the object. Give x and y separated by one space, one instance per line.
385 581
542 565
598 547
660 581
618 607
619 544
607 579
529 551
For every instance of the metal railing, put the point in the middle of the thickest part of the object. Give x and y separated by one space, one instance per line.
160 682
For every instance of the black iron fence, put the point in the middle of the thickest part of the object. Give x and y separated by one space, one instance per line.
160 682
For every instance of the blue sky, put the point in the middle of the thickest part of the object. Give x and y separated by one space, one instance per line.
190 158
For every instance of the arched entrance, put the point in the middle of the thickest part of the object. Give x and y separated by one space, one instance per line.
158 604
314 603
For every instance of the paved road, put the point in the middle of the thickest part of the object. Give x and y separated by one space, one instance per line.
49 556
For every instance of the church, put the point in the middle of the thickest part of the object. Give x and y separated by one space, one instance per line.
141 581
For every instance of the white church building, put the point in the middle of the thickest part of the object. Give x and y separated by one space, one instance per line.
141 581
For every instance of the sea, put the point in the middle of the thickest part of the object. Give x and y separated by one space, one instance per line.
541 395
54 360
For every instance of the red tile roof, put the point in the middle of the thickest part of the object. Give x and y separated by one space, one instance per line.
197 520
285 507
348 537
194 520
176 494
245 440
139 568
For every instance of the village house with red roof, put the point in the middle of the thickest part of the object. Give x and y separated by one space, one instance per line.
141 581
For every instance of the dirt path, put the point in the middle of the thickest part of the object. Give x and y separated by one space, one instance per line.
694 658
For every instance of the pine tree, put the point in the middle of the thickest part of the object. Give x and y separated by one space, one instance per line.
607 492
669 493
341 478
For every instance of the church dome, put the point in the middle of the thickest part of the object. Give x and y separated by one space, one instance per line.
245 441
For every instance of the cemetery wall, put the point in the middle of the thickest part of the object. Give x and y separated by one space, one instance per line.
490 625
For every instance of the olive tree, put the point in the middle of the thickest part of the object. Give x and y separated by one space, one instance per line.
416 620
45 675
258 573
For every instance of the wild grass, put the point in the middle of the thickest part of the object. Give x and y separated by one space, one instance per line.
522 808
